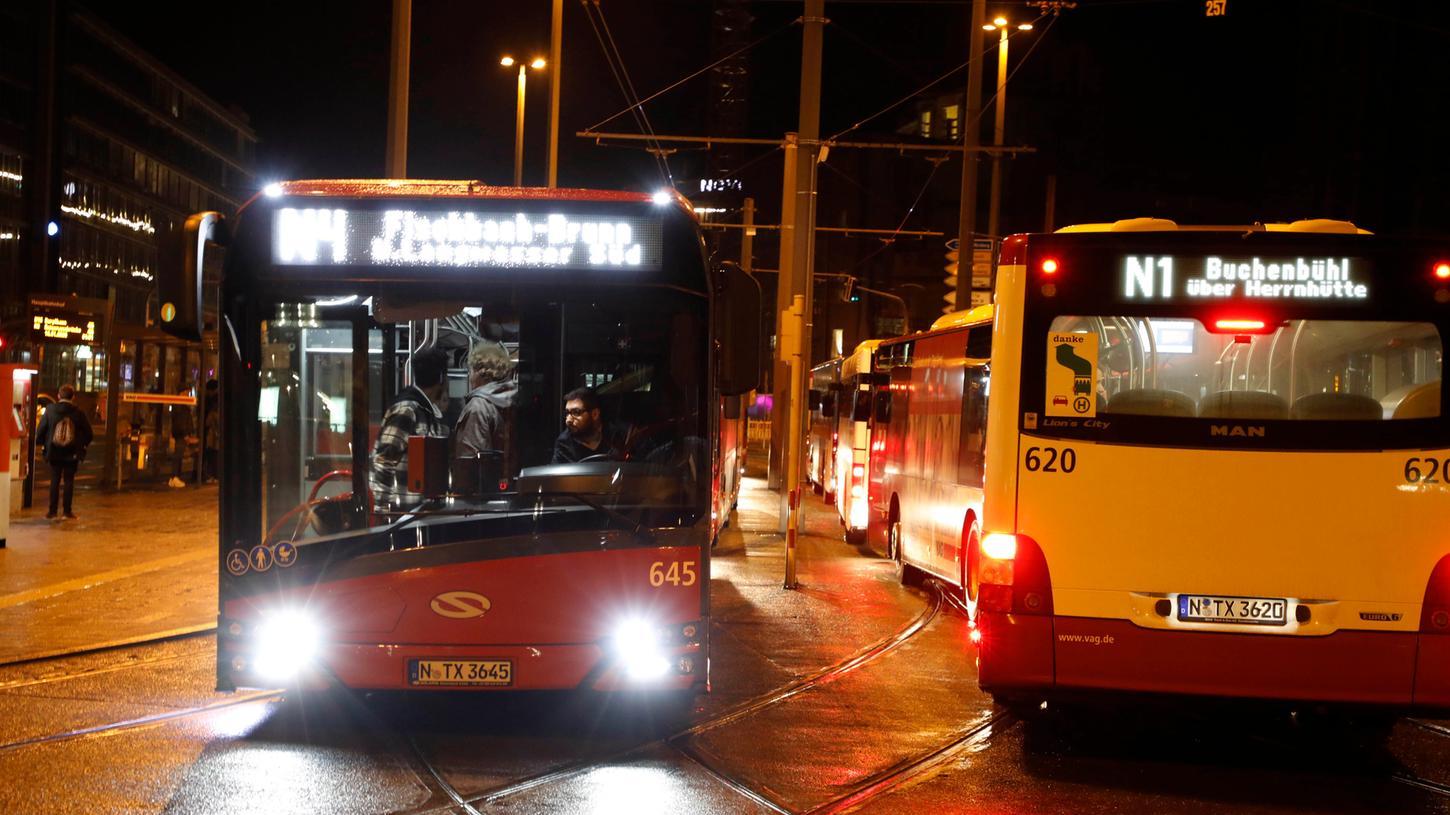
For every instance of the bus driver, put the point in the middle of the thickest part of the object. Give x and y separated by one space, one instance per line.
585 434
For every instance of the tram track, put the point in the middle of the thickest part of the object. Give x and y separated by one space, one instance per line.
679 741
173 635
140 722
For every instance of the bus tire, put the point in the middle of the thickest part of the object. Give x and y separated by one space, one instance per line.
905 572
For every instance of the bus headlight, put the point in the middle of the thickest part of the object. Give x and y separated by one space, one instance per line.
638 647
284 643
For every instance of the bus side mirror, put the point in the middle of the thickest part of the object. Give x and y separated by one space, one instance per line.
738 329
883 407
179 287
813 399
828 404
732 407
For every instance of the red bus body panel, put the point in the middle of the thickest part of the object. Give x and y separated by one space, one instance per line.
552 615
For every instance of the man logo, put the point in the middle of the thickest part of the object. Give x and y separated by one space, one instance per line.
460 605
1241 431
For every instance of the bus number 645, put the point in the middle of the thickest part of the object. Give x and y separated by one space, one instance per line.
1050 459
676 573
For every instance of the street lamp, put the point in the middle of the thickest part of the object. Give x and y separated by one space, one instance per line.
537 65
1000 25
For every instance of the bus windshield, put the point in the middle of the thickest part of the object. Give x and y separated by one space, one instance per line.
629 377
1343 370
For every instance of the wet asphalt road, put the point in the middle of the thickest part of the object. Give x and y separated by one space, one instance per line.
901 728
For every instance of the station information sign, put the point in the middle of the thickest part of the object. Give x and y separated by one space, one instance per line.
65 319
472 239
1210 278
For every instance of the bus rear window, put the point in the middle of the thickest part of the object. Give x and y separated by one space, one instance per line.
1337 370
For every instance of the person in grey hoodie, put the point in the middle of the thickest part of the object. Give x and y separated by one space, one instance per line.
483 426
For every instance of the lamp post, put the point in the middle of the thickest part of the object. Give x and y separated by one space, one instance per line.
999 24
537 65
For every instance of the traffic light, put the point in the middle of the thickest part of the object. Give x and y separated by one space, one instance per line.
848 291
950 298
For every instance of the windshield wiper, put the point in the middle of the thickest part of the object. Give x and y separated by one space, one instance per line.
635 527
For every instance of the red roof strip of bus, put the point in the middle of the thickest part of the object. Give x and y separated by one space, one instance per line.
426 188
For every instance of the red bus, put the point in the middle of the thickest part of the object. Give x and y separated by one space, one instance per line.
515 567
926 457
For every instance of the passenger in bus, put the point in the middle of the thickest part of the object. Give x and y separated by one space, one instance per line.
480 441
417 411
585 434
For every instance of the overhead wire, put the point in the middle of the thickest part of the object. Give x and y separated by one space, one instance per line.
944 77
626 88
888 241
733 54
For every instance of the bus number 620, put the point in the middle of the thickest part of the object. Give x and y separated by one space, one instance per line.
676 573
1050 459
1426 470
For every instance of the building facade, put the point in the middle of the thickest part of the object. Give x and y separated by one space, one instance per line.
104 152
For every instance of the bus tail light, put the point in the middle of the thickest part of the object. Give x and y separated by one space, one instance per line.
858 479
1242 325
1012 575
1442 270
1435 612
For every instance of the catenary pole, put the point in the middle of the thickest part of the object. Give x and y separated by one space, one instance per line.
971 142
397 149
780 382
810 150
556 81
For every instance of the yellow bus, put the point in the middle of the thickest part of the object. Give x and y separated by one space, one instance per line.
853 439
1216 466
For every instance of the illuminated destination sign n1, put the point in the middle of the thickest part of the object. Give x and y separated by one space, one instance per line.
464 239
1262 279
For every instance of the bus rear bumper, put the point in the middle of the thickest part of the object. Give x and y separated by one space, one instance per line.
1041 655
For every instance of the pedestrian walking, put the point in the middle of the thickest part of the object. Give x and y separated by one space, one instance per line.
182 429
211 432
65 433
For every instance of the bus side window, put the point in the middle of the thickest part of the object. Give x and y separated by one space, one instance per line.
972 442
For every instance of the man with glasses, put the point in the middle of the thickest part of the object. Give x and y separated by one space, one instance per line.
585 435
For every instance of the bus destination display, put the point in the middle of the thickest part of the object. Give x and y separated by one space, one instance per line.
464 239
1180 278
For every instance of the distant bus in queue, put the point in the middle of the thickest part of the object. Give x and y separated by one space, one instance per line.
1214 466
503 565
925 467
825 394
853 439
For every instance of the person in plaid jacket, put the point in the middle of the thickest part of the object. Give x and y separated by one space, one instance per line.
417 411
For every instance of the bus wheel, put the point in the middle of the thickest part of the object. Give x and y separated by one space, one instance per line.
905 573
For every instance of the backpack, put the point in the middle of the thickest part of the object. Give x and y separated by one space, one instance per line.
64 434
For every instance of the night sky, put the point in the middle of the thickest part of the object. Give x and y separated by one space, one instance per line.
1282 109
